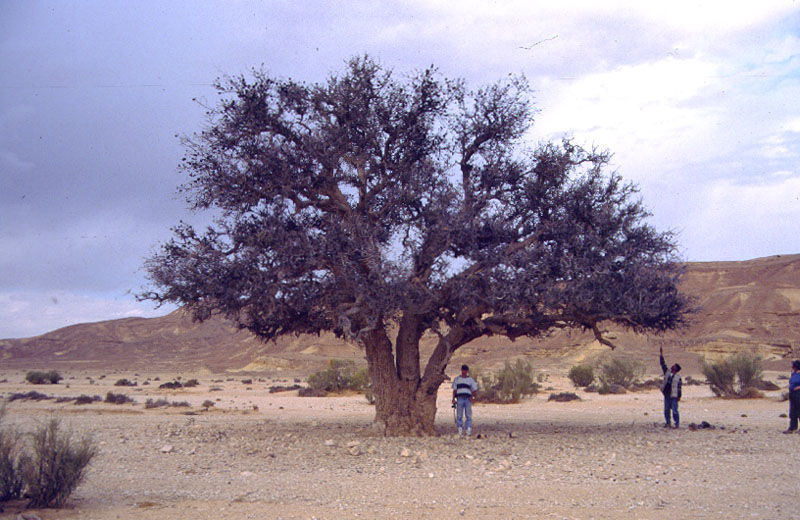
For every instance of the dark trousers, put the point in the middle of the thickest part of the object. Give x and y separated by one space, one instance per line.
671 404
794 409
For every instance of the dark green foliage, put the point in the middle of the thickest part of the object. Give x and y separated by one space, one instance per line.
509 385
617 370
581 375
735 376
564 397
111 397
43 378
56 465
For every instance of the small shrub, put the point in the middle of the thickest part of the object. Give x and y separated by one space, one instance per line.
581 375
591 388
124 382
158 403
733 376
605 389
620 371
33 395
56 466
10 476
208 403
87 399
215 389
43 378
113 398
564 397
340 375
282 388
509 385
311 392
191 383
247 381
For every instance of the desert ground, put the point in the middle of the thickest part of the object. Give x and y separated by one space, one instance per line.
256 454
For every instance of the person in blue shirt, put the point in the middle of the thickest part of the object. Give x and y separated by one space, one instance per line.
794 397
464 388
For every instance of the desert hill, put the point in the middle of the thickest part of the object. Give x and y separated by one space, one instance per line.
750 306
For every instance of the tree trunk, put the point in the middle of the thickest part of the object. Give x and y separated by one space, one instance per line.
402 407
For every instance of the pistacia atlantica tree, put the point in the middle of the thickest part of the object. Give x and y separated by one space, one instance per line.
370 203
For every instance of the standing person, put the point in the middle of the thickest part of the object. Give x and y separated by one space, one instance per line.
794 396
671 388
464 388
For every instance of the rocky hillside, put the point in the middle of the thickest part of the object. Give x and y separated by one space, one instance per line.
750 306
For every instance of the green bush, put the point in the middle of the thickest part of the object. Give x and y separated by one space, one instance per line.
734 376
43 378
581 375
620 371
340 375
509 385
56 466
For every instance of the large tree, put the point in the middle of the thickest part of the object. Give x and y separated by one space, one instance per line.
370 204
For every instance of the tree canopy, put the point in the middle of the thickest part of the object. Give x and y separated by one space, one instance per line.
369 201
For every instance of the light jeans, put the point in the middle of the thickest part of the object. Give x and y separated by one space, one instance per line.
464 408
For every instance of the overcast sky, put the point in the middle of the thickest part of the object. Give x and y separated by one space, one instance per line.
700 106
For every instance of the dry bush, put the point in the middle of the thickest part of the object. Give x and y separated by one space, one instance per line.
124 382
10 477
87 399
620 371
581 375
734 376
509 385
158 403
564 397
111 397
43 378
33 395
56 466
191 383
340 375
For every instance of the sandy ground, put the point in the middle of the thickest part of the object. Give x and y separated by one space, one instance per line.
257 454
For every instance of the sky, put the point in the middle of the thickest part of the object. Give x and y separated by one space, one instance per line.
698 101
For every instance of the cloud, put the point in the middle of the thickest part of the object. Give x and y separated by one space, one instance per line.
741 221
30 313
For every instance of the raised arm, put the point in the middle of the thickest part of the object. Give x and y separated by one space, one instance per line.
661 359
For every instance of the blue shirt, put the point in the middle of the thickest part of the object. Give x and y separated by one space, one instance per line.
794 381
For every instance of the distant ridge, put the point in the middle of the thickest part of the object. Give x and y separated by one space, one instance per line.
751 306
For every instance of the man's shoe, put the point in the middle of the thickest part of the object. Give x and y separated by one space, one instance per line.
666 425
676 426
469 432
789 431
